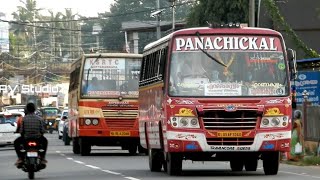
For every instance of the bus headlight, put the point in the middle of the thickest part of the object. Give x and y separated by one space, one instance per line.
95 122
265 122
275 121
87 122
184 122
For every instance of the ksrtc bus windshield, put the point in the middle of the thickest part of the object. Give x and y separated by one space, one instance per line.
246 73
111 77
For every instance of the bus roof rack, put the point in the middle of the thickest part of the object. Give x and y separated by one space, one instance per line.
224 25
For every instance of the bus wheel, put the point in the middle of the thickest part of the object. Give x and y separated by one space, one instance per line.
85 148
271 162
251 164
174 163
75 146
132 149
155 160
142 150
236 165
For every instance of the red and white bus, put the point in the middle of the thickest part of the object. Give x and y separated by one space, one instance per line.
103 101
216 94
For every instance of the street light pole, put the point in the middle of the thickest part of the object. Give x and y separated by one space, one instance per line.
173 14
251 13
158 20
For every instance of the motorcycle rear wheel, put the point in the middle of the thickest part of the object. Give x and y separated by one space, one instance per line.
31 174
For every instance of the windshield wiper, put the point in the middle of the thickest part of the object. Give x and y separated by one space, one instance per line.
206 53
90 69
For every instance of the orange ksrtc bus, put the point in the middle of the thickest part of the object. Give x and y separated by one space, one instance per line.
103 102
216 94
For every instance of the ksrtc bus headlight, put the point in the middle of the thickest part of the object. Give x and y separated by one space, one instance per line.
95 122
87 122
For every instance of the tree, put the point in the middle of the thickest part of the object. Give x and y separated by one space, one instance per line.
218 11
135 10
25 16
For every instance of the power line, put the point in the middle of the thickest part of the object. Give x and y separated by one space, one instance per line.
115 15
23 23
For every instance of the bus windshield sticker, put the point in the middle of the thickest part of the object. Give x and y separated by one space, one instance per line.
223 89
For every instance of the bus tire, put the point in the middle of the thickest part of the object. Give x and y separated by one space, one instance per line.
155 160
251 164
174 163
75 146
85 148
133 149
271 161
142 150
236 165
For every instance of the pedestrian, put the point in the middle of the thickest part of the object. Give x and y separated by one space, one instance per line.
297 137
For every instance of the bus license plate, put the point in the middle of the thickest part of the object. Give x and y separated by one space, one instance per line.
230 134
32 154
119 133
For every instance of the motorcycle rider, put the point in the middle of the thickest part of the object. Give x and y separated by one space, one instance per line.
31 126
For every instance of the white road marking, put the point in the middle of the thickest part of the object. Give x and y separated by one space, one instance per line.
301 174
93 167
131 178
111 172
79 162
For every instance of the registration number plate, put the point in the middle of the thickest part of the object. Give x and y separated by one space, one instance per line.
32 154
119 133
229 134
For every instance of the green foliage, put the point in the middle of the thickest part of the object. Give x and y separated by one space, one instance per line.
218 11
276 16
136 10
311 160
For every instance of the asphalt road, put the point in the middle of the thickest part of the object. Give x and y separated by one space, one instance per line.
113 163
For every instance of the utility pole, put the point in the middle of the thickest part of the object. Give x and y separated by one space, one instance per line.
251 13
158 20
173 13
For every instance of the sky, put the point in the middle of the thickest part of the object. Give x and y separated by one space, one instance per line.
88 8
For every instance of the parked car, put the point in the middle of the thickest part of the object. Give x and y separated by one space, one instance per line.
14 108
65 137
62 119
8 127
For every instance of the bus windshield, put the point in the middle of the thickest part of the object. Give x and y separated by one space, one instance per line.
110 77
246 73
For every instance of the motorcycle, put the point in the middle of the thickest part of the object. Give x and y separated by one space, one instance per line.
31 162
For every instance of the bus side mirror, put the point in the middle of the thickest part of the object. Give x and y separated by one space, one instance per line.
291 54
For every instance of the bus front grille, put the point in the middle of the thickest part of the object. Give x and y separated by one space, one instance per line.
230 141
120 123
223 120
120 118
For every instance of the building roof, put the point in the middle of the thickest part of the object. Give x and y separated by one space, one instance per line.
308 60
137 25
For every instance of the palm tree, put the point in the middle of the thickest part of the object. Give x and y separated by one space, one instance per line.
69 35
25 17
